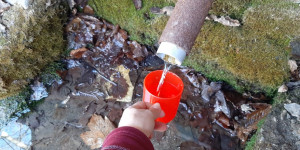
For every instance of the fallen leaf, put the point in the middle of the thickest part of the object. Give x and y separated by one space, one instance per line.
283 89
124 91
100 128
77 53
88 10
249 123
293 65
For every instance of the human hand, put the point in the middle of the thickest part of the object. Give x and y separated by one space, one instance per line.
141 116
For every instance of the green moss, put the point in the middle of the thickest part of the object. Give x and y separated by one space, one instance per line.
251 143
279 99
232 8
251 57
256 53
243 54
13 105
276 20
214 72
49 74
141 24
35 40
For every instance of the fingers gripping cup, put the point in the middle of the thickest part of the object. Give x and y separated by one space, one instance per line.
168 96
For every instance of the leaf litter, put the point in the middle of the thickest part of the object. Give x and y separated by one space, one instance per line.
211 115
99 129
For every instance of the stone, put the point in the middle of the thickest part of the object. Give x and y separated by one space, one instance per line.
295 45
273 135
293 65
24 29
167 10
24 3
224 20
137 4
71 3
246 108
4 6
282 89
293 109
295 1
39 91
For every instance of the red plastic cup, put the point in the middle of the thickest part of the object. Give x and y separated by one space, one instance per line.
169 95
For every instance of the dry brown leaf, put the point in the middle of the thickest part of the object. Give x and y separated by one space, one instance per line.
251 119
100 128
124 91
77 53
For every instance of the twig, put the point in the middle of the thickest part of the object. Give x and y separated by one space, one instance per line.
7 143
102 76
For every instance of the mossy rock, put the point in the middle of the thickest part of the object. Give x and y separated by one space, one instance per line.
34 39
143 26
250 57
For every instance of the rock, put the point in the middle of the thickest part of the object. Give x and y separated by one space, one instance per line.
24 3
293 84
167 10
155 10
221 105
283 89
2 85
295 45
164 11
246 108
280 130
293 65
137 4
295 1
39 91
71 3
4 6
2 28
293 109
281 134
226 21
25 27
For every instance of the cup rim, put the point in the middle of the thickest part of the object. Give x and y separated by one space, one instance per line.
179 94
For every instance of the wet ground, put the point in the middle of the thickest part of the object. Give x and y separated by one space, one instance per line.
104 75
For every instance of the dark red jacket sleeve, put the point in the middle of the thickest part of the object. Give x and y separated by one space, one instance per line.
127 138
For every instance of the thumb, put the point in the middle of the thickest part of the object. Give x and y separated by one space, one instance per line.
156 111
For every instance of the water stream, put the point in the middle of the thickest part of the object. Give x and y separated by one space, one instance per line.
163 76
